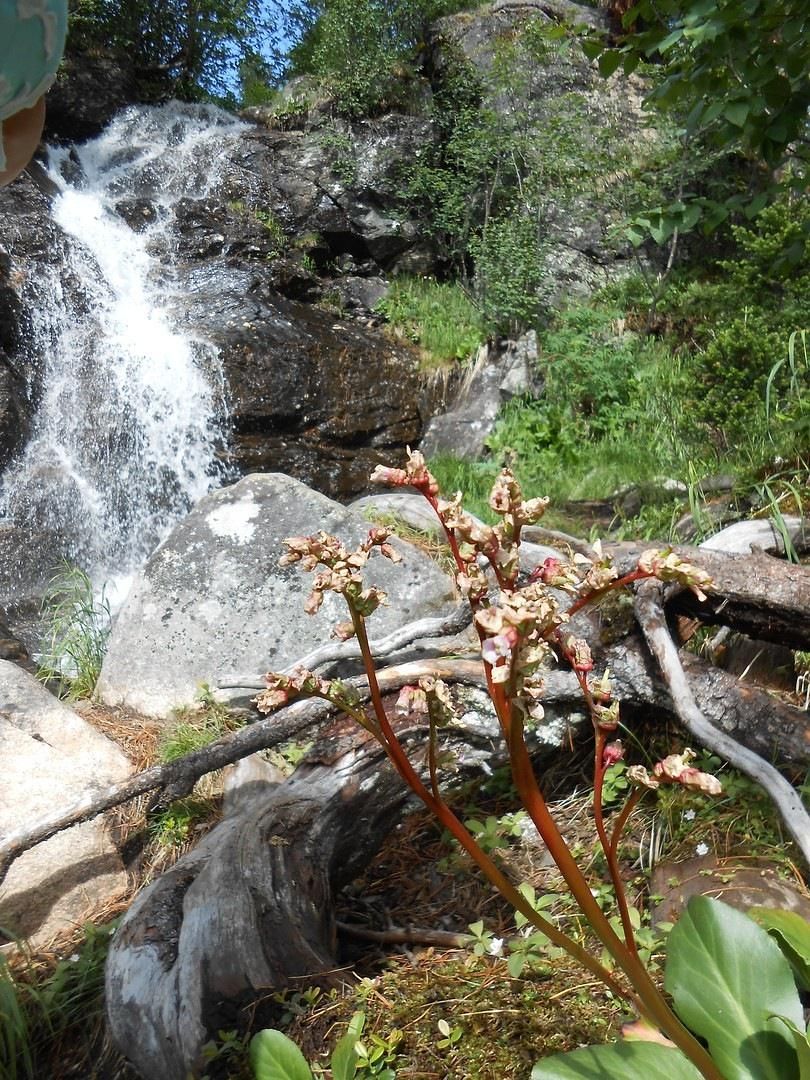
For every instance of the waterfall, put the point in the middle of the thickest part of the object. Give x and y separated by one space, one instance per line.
130 407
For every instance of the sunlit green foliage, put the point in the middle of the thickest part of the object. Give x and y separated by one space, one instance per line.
438 317
735 74
364 51
193 50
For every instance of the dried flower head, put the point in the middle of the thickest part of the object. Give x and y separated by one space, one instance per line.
415 475
677 769
341 573
667 565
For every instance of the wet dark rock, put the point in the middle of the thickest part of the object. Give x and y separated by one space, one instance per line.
29 239
137 213
310 394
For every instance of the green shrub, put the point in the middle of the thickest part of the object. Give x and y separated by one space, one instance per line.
48 1018
364 51
438 317
511 277
739 321
609 413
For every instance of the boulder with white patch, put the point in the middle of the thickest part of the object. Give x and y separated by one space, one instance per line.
213 600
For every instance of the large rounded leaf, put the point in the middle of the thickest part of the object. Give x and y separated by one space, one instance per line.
792 934
728 978
621 1061
275 1057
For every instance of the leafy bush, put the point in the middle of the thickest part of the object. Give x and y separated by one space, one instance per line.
741 319
510 273
608 415
363 51
458 169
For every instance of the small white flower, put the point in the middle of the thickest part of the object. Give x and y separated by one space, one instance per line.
75 958
702 849
689 815
495 947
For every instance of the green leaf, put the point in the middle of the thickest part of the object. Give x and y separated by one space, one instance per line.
621 1061
608 62
670 40
802 1045
758 203
593 48
792 935
777 90
344 1058
635 235
275 1057
736 112
726 977
691 216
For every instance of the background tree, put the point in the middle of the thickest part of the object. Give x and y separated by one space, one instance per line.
736 73
194 46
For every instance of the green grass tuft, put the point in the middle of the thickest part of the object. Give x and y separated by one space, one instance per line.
78 625
440 318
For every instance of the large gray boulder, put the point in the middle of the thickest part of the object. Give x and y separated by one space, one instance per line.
52 758
213 600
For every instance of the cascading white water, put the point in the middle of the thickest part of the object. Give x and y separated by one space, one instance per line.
131 407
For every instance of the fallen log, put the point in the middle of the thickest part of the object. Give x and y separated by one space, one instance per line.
766 598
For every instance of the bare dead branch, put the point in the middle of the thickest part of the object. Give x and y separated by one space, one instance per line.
651 618
335 651
176 779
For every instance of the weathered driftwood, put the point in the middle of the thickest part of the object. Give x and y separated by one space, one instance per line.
652 619
176 779
250 908
776 731
763 597
342 651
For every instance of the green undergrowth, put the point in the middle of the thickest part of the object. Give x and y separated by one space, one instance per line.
491 1010
76 620
196 726
52 1010
622 407
440 318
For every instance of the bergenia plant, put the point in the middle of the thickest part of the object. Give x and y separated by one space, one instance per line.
522 625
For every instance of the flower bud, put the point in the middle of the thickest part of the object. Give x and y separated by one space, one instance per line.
612 753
